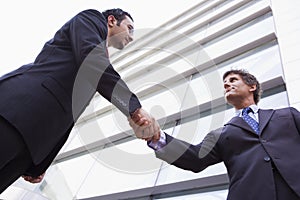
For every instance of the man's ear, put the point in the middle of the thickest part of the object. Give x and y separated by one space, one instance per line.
111 21
252 88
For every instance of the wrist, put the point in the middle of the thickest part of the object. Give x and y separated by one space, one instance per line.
133 114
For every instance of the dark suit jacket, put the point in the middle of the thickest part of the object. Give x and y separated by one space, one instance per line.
44 99
246 155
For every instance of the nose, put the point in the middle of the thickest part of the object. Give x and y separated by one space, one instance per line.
226 85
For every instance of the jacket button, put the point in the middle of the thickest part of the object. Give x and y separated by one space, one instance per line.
267 158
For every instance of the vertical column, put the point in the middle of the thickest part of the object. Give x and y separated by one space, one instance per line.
287 23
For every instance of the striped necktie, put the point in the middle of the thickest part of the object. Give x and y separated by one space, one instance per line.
252 122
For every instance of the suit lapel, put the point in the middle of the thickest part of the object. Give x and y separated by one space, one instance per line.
264 117
239 122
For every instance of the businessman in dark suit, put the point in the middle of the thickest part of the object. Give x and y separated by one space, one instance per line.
41 101
260 148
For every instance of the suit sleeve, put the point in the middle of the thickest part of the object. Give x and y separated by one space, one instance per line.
191 157
88 35
296 116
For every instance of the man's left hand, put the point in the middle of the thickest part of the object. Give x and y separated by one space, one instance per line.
31 179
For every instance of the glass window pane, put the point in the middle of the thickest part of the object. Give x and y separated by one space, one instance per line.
240 38
123 167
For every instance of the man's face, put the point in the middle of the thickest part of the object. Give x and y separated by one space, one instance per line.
236 91
120 36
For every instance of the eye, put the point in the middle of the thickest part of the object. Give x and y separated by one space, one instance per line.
232 79
130 28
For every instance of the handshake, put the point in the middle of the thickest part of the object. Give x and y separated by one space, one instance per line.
144 125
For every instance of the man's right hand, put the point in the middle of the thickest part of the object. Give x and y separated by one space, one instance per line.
144 125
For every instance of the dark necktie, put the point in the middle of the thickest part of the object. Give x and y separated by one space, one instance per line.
252 122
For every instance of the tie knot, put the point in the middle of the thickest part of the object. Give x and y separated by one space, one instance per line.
252 122
246 110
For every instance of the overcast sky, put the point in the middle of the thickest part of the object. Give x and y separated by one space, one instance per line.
27 25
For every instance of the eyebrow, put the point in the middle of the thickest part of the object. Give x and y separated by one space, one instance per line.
230 78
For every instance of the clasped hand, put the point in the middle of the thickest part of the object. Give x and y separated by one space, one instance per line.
144 125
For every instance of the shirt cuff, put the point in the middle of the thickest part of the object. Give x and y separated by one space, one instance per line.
158 144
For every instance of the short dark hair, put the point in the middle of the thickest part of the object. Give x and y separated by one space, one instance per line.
249 79
118 13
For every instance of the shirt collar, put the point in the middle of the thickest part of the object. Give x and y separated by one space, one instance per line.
253 107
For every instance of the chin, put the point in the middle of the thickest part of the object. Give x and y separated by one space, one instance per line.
228 98
119 47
